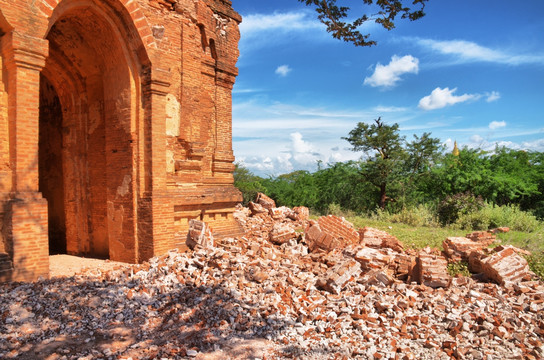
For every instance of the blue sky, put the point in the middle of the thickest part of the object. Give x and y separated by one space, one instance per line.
469 71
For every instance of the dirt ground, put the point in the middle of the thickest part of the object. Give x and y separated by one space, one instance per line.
68 265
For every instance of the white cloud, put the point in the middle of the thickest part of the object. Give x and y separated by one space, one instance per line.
441 98
468 51
258 31
497 124
493 96
283 22
389 75
478 142
283 70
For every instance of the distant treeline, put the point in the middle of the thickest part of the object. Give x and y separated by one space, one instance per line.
450 183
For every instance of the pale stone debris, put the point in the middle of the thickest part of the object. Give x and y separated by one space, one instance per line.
352 302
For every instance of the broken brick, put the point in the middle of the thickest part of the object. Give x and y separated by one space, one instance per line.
282 233
459 248
265 201
485 238
379 239
372 258
505 265
199 235
431 270
339 275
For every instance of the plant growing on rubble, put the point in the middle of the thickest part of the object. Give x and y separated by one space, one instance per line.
458 268
381 12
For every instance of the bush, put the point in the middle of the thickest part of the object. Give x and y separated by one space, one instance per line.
337 210
420 215
454 206
536 263
492 216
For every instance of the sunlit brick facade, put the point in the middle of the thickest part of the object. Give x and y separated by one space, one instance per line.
115 127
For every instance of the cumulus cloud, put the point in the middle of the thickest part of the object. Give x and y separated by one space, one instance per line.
283 70
497 124
493 96
441 98
468 51
387 76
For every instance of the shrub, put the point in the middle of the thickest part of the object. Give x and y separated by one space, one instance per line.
458 268
536 263
453 206
337 210
420 215
492 216
476 220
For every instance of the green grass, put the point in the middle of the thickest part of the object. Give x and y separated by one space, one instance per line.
415 237
418 237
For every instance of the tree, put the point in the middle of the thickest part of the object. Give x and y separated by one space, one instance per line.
382 12
390 160
248 184
385 153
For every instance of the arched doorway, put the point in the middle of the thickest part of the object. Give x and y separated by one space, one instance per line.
89 110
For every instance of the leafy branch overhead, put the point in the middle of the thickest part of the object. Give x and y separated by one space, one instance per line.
382 12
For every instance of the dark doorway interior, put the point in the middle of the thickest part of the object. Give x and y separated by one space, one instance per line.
50 165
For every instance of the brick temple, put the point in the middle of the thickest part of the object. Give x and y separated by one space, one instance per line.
115 127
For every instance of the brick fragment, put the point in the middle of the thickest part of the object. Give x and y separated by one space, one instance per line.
265 201
502 229
279 213
485 238
506 265
199 235
282 233
337 277
459 248
431 270
339 228
379 239
330 232
403 265
377 277
318 239
372 258
300 213
256 208
475 261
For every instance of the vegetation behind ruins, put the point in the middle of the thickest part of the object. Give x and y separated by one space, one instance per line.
472 190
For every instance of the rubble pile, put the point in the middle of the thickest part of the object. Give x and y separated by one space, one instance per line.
309 302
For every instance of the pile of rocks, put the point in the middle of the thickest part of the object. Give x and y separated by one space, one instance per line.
313 289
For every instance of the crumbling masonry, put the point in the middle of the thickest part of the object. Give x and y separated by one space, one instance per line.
115 127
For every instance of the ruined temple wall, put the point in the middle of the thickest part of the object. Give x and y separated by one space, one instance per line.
199 112
166 155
